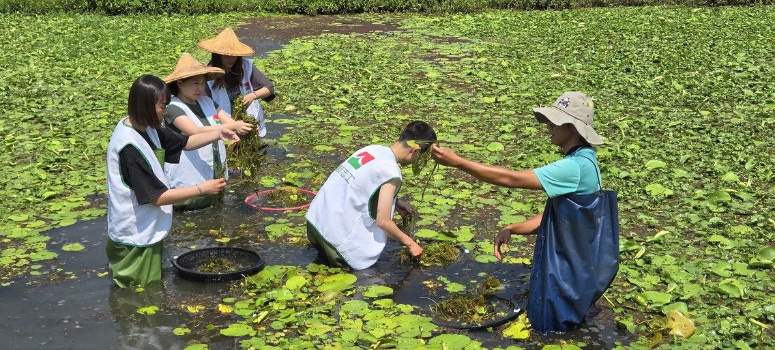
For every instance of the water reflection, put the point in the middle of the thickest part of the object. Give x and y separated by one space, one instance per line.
138 331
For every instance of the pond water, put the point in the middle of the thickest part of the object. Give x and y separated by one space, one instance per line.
79 308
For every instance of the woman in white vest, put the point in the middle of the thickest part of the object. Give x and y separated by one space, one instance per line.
352 214
191 112
139 198
241 78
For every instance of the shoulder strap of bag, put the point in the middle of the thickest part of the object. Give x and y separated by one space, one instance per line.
597 172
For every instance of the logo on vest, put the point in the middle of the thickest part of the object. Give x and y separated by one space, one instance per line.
360 159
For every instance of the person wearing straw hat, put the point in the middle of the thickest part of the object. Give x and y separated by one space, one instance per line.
190 112
241 76
576 255
139 196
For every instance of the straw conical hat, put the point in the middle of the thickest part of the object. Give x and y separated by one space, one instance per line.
188 66
226 43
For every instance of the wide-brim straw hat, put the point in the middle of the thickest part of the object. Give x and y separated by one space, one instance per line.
226 43
575 108
188 66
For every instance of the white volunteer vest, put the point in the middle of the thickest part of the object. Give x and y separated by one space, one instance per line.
340 210
129 222
196 166
221 97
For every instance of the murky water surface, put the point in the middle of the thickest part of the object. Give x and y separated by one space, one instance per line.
82 310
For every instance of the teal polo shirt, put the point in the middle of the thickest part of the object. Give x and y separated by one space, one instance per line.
577 173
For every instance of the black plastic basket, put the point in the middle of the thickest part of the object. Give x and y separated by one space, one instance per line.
187 262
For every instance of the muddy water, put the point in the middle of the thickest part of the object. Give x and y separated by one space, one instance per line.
82 310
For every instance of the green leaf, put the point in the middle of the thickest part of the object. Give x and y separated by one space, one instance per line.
73 247
655 164
657 298
495 147
450 341
377 291
295 282
324 148
317 329
148 310
517 330
732 287
454 287
237 330
181 331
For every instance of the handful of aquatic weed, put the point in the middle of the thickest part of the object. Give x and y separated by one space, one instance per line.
435 253
248 154
421 162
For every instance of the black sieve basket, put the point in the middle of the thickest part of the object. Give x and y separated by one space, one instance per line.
247 261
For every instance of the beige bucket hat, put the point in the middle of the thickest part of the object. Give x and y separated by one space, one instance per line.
188 66
226 43
575 108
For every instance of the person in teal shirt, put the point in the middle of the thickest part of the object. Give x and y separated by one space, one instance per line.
569 125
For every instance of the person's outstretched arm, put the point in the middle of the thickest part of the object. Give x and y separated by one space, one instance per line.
489 173
177 195
385 221
202 139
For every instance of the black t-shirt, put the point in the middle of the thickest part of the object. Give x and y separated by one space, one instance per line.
138 174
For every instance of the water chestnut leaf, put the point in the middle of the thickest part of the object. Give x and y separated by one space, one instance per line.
181 331
148 310
655 164
731 287
237 330
73 247
516 330
450 341
730 177
377 291
657 298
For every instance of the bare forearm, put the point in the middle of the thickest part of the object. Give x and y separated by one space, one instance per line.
527 227
176 195
395 233
499 175
202 139
262 93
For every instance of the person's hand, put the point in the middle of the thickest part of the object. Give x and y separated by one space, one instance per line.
502 240
228 135
241 127
249 97
404 208
213 186
445 156
415 251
